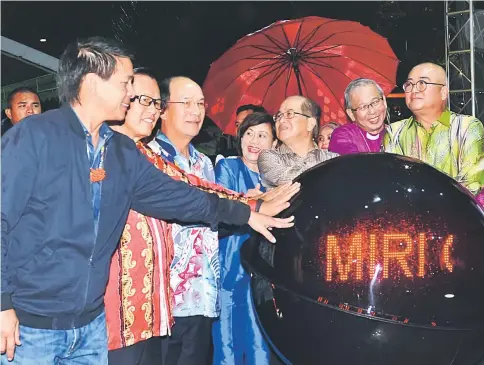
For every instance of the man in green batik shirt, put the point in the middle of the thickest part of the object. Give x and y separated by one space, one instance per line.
452 143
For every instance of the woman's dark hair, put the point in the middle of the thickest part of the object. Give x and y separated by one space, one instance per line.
91 55
252 120
254 108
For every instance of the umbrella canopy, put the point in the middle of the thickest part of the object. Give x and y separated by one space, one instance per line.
314 57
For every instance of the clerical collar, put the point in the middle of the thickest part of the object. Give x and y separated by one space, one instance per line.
368 135
372 137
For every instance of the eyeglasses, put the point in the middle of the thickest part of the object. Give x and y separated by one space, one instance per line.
147 101
187 104
288 114
365 108
421 85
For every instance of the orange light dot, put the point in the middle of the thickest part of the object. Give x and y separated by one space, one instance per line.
399 255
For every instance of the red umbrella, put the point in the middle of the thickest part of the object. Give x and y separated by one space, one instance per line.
315 57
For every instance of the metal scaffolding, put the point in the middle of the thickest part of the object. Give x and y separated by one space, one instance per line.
465 56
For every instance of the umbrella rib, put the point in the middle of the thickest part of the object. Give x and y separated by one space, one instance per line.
267 89
268 72
304 84
287 81
308 38
361 63
272 82
258 58
237 76
242 59
298 34
234 62
319 77
318 42
327 66
350 45
273 40
330 35
318 63
288 44
267 65
309 52
323 57
266 49
251 46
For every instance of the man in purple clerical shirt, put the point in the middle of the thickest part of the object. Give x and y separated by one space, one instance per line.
366 106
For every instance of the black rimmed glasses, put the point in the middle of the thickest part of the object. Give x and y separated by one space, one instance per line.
187 104
147 101
421 85
288 114
365 108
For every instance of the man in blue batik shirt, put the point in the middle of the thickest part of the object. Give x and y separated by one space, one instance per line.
195 270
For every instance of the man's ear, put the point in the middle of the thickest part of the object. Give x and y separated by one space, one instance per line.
8 113
311 124
351 114
90 82
274 144
444 92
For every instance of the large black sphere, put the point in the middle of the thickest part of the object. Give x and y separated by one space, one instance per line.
385 265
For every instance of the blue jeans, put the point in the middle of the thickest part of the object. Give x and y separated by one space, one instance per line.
87 345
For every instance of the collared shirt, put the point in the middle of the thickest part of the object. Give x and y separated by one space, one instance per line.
96 161
195 269
282 165
454 145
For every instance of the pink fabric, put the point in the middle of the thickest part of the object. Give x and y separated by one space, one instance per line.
480 198
350 138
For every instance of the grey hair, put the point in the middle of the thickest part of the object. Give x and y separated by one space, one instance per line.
312 108
357 83
332 125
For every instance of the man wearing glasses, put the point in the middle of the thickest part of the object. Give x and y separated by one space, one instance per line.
195 268
297 126
366 106
452 143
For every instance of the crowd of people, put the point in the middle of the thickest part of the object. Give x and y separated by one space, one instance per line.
121 244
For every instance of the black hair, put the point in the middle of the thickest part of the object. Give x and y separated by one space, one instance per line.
254 108
18 90
165 88
146 71
252 120
91 55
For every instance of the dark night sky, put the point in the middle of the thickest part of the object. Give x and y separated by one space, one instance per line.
185 37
